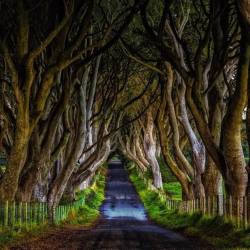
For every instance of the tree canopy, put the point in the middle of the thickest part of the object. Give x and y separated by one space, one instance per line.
80 80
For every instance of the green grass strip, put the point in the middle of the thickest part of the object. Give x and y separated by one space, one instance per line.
214 230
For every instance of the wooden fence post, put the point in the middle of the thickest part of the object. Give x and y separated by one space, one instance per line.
225 210
230 208
238 213
40 212
214 206
26 214
6 213
47 211
208 206
37 213
20 207
245 215
43 212
248 207
13 214
204 205
220 205
33 213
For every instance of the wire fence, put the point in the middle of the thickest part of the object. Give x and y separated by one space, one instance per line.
25 214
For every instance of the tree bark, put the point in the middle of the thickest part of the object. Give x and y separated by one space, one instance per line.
197 146
212 177
17 158
231 132
150 151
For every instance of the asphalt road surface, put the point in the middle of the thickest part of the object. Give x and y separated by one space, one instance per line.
124 225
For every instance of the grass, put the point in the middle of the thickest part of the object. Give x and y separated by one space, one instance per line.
86 215
173 189
13 236
89 213
214 230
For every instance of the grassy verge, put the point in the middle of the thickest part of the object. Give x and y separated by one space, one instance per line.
86 215
12 236
216 231
89 213
173 189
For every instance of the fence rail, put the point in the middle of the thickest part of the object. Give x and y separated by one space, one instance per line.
24 214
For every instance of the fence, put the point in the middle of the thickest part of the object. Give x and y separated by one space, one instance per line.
236 210
24 214
231 209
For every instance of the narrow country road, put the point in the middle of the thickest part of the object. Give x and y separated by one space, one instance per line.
124 224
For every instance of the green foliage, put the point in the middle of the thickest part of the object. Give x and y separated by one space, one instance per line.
85 215
215 230
171 186
173 189
166 173
88 213
154 206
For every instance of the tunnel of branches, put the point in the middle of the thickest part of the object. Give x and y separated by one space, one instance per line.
150 80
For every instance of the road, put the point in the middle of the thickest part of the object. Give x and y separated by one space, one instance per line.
124 225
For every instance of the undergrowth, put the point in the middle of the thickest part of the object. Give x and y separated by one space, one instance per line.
85 215
13 235
89 213
173 189
215 230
